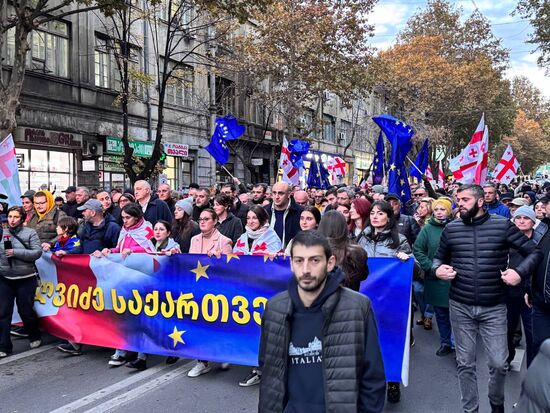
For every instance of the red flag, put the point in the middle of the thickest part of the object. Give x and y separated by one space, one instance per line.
430 175
507 167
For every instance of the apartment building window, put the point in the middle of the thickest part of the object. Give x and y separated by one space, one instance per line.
179 87
49 49
329 128
169 8
345 132
107 71
225 96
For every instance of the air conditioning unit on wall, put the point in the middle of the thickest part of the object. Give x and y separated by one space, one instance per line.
92 149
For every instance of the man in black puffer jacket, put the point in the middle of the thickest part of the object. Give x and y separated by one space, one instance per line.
473 255
319 349
540 286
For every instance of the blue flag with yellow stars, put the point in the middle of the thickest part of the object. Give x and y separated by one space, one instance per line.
318 175
378 162
298 150
399 134
227 129
421 162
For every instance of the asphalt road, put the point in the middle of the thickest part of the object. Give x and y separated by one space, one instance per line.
45 380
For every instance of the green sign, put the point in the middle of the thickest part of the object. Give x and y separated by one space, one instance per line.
114 145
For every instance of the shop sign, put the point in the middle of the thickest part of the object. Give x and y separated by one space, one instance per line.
142 149
257 161
48 138
176 149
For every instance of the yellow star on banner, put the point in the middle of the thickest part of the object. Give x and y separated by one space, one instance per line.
392 166
268 257
229 257
402 193
176 336
397 122
200 271
402 181
398 172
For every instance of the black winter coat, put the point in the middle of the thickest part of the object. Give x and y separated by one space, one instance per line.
478 251
540 284
157 209
292 221
354 379
408 227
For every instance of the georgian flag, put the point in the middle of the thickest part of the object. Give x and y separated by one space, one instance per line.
430 175
470 166
507 168
291 174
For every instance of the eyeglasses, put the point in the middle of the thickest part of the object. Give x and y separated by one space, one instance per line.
204 219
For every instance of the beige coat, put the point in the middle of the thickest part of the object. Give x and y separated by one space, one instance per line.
216 244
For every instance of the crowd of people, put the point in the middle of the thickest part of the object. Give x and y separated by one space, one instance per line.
481 266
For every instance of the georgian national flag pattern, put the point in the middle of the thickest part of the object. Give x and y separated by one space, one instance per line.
430 175
470 166
507 167
291 174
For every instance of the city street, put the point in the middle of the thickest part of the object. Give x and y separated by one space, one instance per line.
45 380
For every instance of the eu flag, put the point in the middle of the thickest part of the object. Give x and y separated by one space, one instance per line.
399 134
298 149
318 175
378 163
421 162
227 129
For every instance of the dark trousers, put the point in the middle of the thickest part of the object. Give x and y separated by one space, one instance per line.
443 319
21 292
517 308
541 327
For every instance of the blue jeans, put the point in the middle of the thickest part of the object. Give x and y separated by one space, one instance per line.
517 308
426 310
444 326
490 323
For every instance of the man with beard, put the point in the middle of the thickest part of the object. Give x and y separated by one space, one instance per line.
259 194
319 347
240 210
202 202
473 256
70 202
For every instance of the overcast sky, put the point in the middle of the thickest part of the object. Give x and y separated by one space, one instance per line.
390 16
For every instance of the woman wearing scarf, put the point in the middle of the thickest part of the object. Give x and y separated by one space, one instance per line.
259 238
135 236
436 291
44 221
18 279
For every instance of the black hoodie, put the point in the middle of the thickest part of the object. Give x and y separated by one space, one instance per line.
305 371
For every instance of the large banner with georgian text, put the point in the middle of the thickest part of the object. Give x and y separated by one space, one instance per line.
197 306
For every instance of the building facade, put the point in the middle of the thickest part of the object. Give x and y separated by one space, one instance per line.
70 123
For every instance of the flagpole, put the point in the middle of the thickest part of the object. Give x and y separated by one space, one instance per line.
228 173
415 167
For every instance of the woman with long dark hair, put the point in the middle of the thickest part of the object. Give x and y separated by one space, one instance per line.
183 227
349 256
258 238
382 239
18 278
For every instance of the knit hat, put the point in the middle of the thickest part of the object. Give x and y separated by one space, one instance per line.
187 205
445 203
525 211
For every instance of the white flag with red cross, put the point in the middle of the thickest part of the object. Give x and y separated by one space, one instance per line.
507 168
470 166
430 176
291 174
